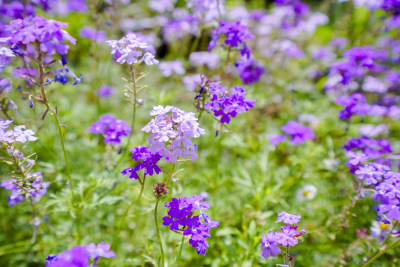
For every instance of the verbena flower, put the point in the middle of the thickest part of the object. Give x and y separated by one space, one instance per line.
203 58
105 91
99 250
276 139
233 34
111 128
147 161
92 34
288 218
268 243
131 49
181 217
227 104
171 130
249 70
168 68
298 132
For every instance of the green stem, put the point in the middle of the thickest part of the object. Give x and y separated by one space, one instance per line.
158 232
180 251
377 255
134 107
122 221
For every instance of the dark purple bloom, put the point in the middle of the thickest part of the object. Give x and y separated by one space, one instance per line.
111 128
147 161
233 33
298 132
249 70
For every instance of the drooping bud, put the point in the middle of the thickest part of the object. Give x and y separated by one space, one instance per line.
160 190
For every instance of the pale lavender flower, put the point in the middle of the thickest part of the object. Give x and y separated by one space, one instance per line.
92 34
288 218
204 59
268 243
168 68
99 250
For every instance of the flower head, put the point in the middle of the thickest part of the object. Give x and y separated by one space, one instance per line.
111 128
298 132
288 218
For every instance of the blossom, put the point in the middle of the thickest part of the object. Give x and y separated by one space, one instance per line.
49 33
372 173
276 139
204 59
171 130
167 68
233 33
99 250
111 128
288 218
147 161
288 236
92 34
298 132
228 104
181 218
18 134
104 91
306 192
131 49
268 243
249 70
191 81
76 256
162 6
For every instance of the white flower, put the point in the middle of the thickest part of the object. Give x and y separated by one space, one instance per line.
307 192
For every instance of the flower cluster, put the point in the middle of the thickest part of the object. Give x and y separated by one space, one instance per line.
97 36
48 34
147 161
171 130
132 49
111 128
298 133
288 237
234 34
227 104
249 70
181 217
167 68
80 255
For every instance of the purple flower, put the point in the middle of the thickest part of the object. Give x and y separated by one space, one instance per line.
104 91
191 81
372 173
147 161
49 33
168 68
92 34
77 257
276 139
181 218
288 236
227 104
298 132
233 33
131 49
171 130
356 158
288 218
249 70
111 128
268 243
162 6
100 250
204 59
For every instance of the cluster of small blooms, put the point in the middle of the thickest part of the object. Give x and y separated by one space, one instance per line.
104 91
147 161
298 133
18 134
171 129
204 59
80 255
227 104
234 35
168 68
132 49
32 186
181 217
249 70
48 34
111 128
288 237
5 85
97 36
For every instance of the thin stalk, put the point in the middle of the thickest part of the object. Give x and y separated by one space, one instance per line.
134 107
158 232
377 255
287 255
180 251
122 221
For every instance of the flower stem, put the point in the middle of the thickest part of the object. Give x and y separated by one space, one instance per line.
134 107
122 221
180 251
158 232
377 255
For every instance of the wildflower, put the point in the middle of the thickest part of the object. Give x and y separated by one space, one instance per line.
181 218
276 139
111 128
372 173
104 91
160 190
207 59
92 34
76 256
171 130
131 49
167 68
306 192
234 33
268 243
288 218
147 161
249 70
99 250
298 132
